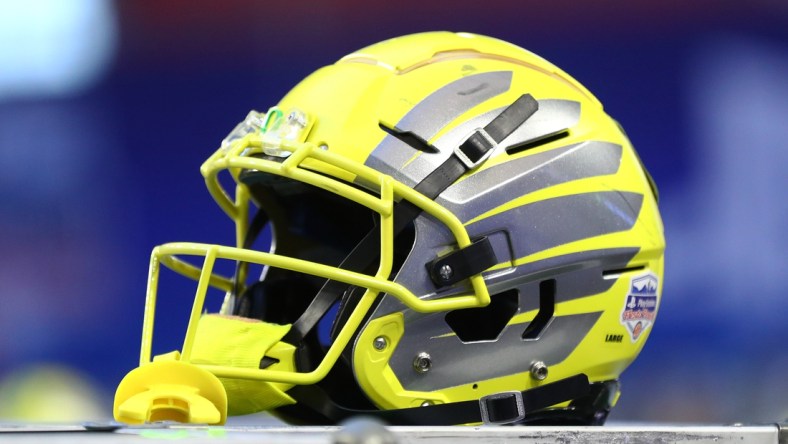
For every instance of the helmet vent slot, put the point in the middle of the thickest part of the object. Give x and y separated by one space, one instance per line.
533 143
546 310
614 274
485 323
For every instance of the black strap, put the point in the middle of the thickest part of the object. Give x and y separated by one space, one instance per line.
362 255
367 250
473 150
501 408
463 263
512 117
255 228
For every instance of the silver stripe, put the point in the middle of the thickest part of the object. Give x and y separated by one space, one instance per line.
495 186
577 275
433 113
455 363
565 219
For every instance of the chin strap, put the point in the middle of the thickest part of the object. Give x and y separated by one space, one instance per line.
241 304
500 408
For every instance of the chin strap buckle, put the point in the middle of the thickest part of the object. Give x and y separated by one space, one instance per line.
475 149
502 408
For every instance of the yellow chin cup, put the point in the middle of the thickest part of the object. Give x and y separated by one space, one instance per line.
168 389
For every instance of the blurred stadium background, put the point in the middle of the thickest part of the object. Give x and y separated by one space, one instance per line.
107 109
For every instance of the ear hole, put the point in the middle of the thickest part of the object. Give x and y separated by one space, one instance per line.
485 323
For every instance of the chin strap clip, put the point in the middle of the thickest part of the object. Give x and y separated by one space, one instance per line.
463 263
502 408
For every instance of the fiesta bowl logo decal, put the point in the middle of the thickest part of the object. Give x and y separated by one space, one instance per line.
640 307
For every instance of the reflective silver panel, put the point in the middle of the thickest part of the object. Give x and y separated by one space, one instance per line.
577 275
455 363
493 187
565 219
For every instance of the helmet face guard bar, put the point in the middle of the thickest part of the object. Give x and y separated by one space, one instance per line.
303 157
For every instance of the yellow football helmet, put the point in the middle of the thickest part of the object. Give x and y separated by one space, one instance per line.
460 235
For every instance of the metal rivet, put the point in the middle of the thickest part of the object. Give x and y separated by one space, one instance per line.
539 370
445 272
323 147
426 403
422 363
380 343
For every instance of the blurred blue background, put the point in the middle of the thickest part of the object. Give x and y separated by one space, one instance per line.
107 110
